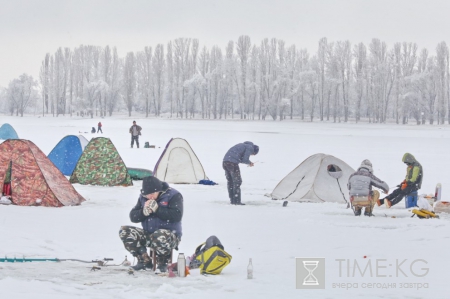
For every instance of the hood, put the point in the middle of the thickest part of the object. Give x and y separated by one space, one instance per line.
367 165
408 158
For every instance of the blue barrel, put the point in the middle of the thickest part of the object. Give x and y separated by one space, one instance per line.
411 200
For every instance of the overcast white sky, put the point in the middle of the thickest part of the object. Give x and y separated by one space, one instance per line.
31 28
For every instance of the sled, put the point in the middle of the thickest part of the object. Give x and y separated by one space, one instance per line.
424 214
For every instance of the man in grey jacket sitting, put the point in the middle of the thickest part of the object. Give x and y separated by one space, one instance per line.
360 188
240 153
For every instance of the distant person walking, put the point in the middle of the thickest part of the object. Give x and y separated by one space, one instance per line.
240 153
135 131
99 127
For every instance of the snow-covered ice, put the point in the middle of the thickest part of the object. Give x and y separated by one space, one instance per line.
272 235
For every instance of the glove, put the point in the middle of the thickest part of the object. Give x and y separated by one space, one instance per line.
401 184
150 207
404 185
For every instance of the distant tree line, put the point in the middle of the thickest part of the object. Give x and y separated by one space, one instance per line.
269 80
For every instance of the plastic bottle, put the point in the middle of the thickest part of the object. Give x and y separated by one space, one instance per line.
250 270
181 265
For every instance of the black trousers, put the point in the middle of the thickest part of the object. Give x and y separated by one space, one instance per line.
398 194
133 138
99 130
234 181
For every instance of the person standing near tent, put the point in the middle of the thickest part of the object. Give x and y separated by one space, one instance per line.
360 188
160 210
135 131
411 183
240 153
99 127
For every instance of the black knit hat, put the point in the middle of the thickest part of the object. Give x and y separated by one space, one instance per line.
150 184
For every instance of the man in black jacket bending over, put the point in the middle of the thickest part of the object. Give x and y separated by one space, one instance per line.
160 210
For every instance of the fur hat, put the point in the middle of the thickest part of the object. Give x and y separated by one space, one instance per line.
150 184
367 165
255 149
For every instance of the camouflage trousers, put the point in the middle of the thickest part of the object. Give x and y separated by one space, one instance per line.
136 241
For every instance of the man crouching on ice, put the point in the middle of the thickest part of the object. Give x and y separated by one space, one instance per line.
160 210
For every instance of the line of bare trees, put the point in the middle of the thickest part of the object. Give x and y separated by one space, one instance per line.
339 83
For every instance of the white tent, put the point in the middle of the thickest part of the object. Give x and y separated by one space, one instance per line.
320 178
178 164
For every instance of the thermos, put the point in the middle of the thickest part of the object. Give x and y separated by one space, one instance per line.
181 265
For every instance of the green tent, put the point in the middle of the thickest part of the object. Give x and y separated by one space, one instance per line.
101 164
139 173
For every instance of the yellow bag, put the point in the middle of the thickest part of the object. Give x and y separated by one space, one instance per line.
211 257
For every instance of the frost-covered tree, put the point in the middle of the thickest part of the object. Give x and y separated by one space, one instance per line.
129 81
145 77
21 93
159 78
359 73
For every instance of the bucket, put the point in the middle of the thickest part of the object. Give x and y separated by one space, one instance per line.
411 200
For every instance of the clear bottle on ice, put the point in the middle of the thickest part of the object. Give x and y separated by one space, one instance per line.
250 270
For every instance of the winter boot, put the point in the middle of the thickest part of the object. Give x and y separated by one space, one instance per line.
237 198
357 211
162 268
162 264
144 262
368 211
388 203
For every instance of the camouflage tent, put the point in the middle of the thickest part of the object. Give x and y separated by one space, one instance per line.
101 164
33 178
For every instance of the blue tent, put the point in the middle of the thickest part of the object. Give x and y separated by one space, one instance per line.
67 152
8 132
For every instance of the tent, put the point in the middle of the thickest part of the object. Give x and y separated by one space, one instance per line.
66 153
139 173
101 164
320 178
178 164
8 132
31 178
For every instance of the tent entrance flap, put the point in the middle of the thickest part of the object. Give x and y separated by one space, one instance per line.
334 170
6 188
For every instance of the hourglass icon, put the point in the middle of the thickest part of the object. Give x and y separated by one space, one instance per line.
310 279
